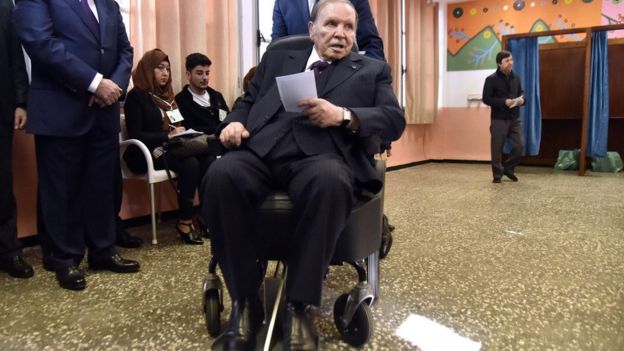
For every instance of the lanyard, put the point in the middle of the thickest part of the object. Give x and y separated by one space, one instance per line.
170 104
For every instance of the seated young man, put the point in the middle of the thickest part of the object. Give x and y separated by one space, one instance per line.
319 156
202 107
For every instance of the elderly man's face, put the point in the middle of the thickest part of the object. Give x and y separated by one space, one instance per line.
333 32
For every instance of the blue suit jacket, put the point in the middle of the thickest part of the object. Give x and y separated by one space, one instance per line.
292 17
66 55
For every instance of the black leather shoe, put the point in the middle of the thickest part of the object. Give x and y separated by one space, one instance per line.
299 331
115 264
496 180
245 322
71 278
192 237
124 239
16 267
511 176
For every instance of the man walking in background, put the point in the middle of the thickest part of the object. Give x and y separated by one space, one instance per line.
503 93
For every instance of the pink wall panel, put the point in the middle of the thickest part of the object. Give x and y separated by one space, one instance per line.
459 134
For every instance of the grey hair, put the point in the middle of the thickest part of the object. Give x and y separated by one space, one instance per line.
322 3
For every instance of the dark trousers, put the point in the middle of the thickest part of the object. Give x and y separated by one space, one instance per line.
321 188
502 130
190 172
76 177
9 245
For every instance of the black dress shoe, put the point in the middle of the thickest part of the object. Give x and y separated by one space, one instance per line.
192 237
71 278
511 176
245 322
124 239
496 180
16 267
115 264
299 331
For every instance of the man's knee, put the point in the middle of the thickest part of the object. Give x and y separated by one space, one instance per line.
331 176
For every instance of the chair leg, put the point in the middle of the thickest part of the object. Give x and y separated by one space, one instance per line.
373 273
159 206
153 213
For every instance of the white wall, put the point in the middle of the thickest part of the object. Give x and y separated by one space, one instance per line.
455 86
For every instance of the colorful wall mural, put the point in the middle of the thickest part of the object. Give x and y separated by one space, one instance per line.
475 28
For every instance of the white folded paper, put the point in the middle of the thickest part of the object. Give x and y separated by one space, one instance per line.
296 87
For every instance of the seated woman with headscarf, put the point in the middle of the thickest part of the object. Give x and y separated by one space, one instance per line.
150 108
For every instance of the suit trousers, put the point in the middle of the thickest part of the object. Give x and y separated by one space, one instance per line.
321 188
9 244
500 131
76 176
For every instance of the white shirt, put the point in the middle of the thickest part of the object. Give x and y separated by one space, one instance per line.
202 100
313 58
98 76
311 4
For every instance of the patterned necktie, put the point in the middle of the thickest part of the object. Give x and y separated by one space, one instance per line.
319 66
93 22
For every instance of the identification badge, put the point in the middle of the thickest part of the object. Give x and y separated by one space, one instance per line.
222 115
174 116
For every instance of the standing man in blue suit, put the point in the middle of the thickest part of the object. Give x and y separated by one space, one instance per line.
292 17
81 62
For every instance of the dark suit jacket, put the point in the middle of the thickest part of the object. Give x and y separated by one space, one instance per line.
66 55
13 78
292 17
357 82
205 119
144 122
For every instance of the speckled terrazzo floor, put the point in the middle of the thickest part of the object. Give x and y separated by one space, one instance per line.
534 265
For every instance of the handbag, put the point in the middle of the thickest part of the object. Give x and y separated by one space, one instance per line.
188 146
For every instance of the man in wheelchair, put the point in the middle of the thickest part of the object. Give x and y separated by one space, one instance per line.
320 157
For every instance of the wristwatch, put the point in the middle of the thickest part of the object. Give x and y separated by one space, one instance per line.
346 117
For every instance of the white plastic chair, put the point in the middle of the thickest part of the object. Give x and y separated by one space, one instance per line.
152 176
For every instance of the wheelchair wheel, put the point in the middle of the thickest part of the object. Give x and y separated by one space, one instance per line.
360 329
386 244
212 311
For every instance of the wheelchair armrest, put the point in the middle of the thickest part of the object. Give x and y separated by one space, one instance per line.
380 166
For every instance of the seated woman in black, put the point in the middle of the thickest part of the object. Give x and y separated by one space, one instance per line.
147 109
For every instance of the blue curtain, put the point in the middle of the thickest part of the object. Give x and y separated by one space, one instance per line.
525 53
598 96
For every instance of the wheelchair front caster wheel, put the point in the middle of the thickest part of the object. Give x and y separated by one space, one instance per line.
212 311
359 330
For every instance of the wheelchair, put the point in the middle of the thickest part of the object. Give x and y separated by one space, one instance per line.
358 246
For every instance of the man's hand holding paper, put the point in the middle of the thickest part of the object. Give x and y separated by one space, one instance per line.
294 88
